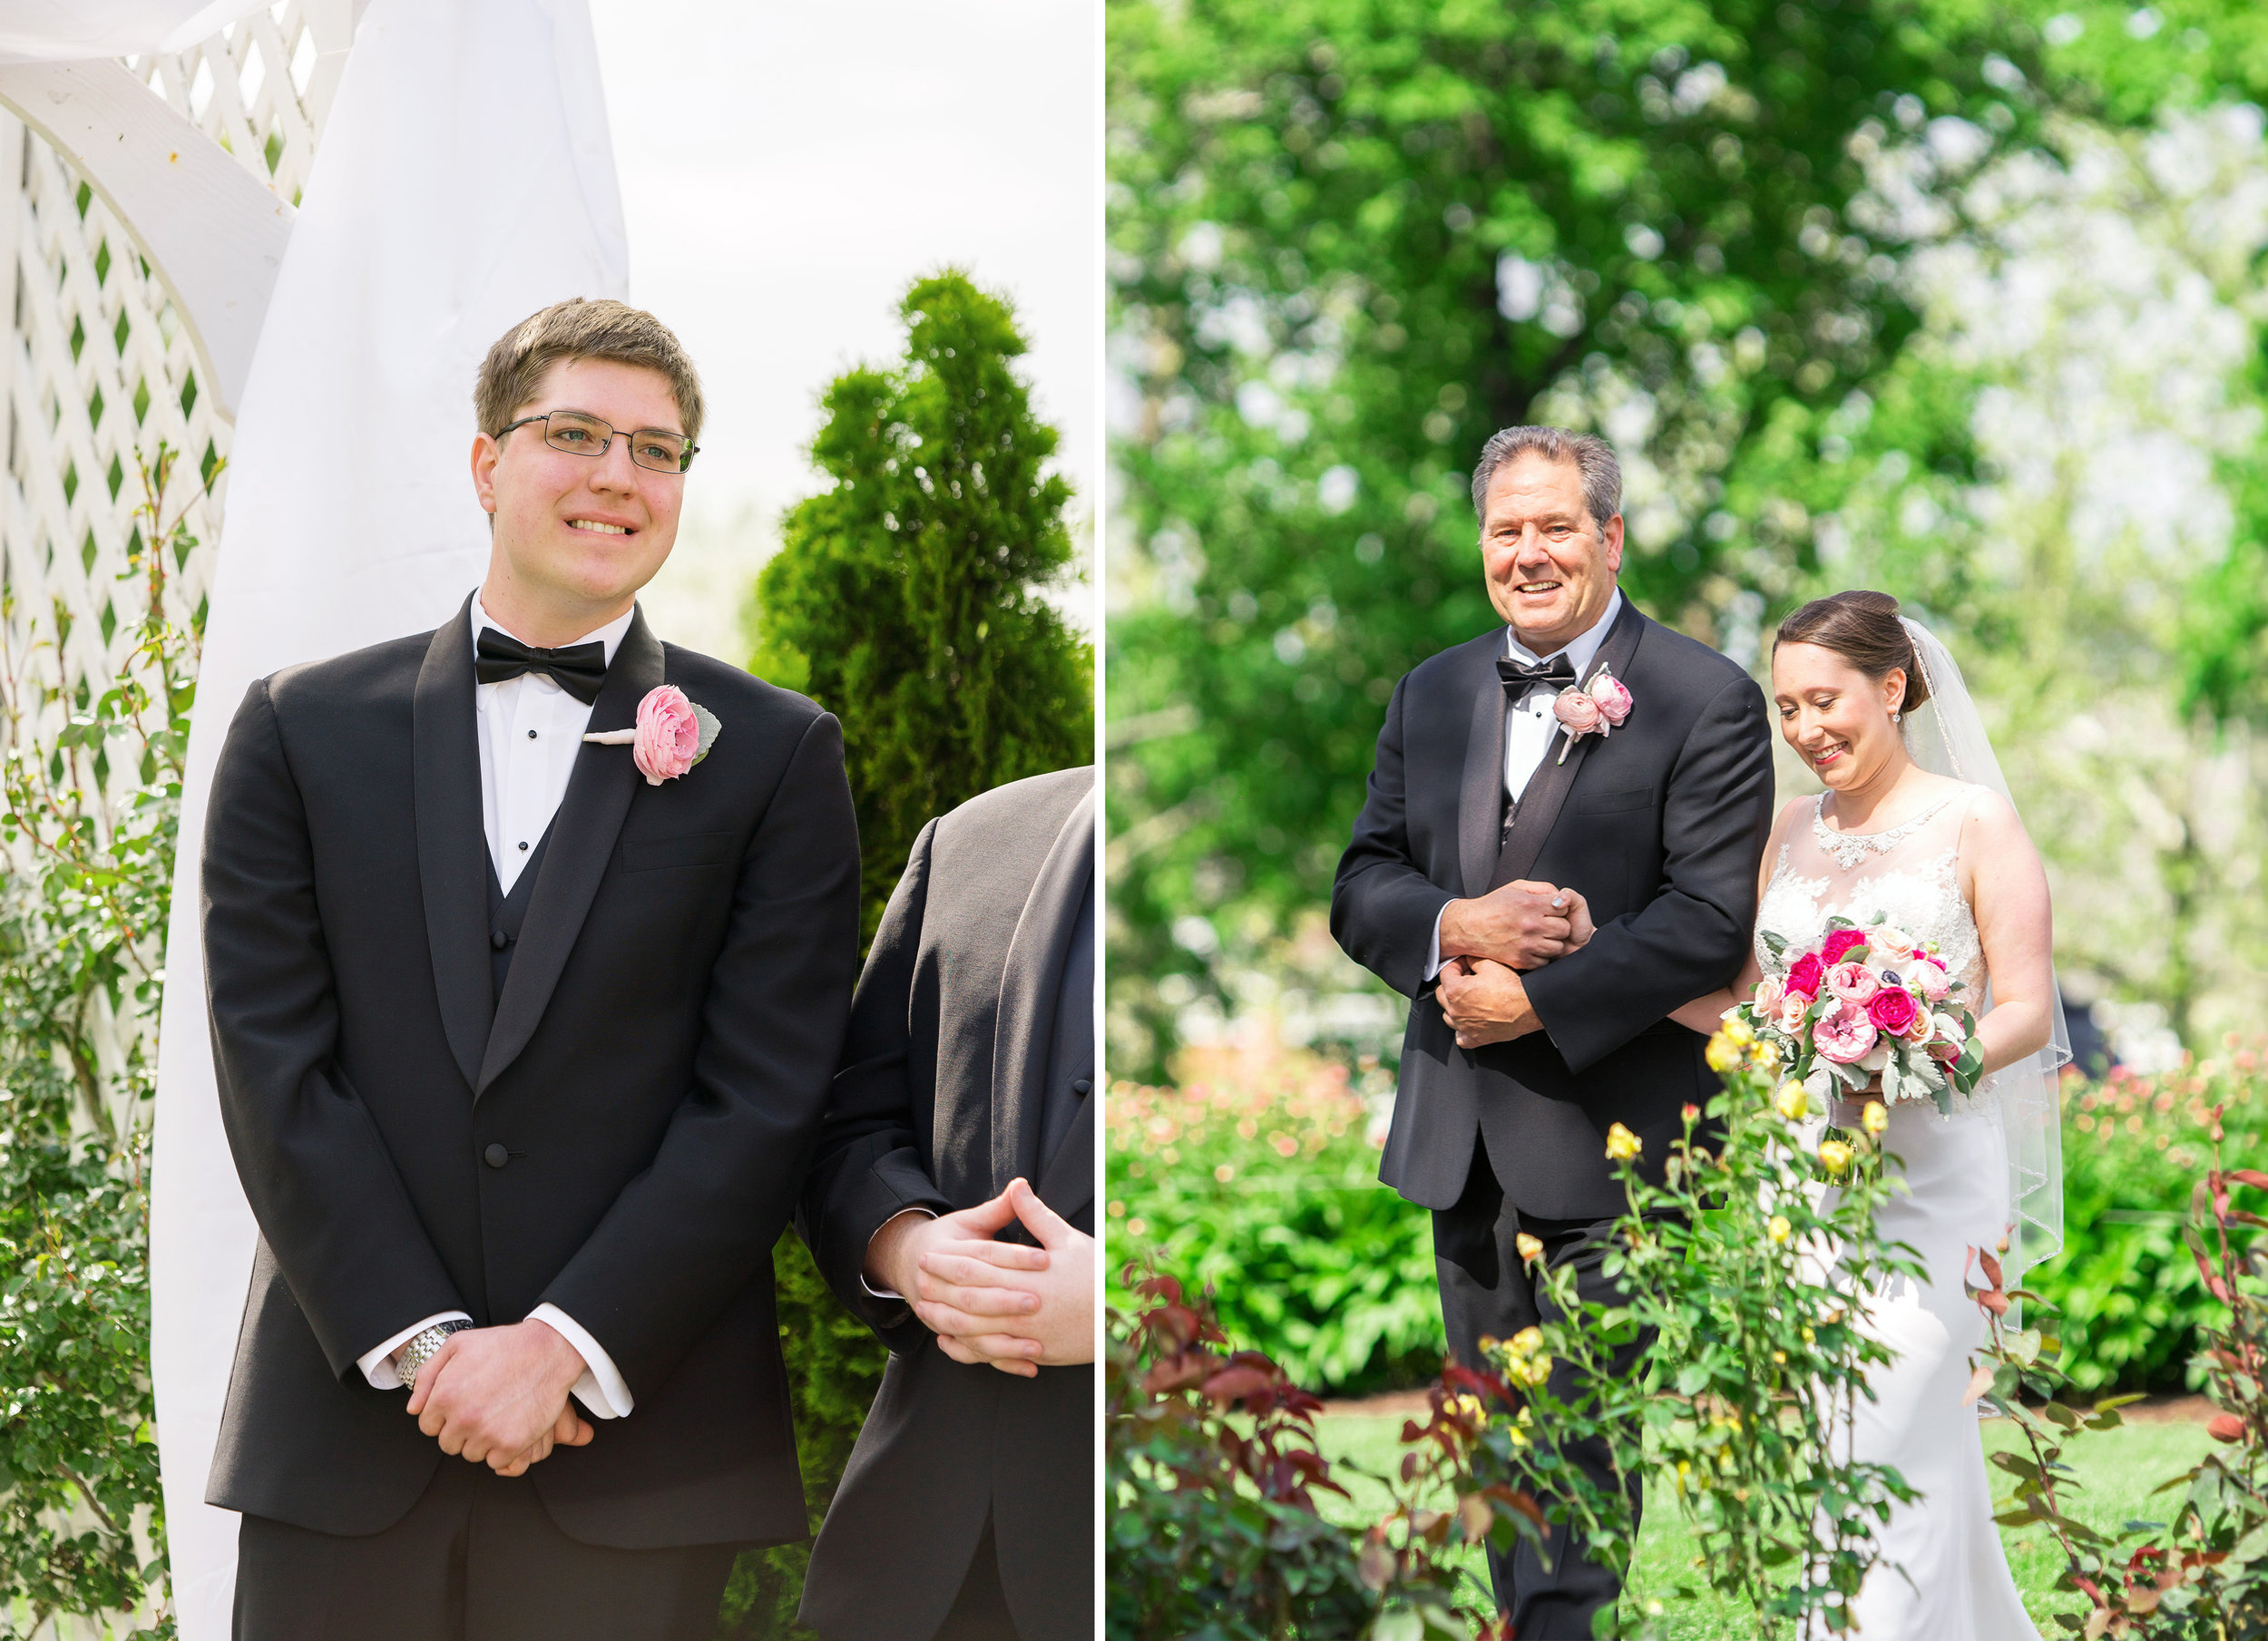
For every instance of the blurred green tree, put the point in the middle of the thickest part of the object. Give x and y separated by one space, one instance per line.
1350 238
906 598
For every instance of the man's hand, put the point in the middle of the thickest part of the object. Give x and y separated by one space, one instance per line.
1484 1003
1522 925
1060 1330
894 1256
499 1396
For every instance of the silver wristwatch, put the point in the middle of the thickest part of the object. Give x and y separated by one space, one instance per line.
421 1349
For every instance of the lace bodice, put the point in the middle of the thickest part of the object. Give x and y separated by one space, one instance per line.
1909 874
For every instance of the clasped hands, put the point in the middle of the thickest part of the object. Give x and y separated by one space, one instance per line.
1487 942
1013 1306
499 1395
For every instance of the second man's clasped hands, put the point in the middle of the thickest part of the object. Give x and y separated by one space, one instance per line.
1487 942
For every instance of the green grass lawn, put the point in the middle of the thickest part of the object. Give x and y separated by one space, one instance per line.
2117 1470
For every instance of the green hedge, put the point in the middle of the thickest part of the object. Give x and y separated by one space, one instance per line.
1255 1180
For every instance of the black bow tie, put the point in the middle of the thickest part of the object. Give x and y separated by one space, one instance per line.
1559 672
578 668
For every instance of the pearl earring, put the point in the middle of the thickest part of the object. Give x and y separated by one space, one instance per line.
1894 714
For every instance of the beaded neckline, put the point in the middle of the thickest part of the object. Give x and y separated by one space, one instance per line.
1849 848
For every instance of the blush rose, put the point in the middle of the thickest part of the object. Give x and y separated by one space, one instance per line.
669 735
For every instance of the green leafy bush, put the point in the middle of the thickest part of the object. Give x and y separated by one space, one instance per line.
2131 1298
1257 1181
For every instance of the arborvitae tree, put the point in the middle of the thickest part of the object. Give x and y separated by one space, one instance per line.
906 598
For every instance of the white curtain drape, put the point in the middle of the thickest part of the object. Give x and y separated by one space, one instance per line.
465 179
65 31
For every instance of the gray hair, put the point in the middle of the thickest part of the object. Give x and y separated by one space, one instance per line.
1594 458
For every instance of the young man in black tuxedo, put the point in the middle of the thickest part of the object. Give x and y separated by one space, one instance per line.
1546 913
522 1043
967 1512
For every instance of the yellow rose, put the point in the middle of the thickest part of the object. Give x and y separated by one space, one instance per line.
1834 1156
1621 1144
1527 1340
1723 1054
1765 1057
1875 1118
1779 1227
1791 1102
1530 1247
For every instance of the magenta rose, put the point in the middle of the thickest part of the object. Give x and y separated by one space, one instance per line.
1892 1011
1837 942
1575 710
1852 982
669 735
1845 1034
1802 980
1612 700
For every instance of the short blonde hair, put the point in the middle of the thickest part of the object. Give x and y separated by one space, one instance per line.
581 328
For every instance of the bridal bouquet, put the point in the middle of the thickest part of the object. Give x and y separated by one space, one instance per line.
1866 1002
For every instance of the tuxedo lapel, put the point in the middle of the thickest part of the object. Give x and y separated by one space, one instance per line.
1023 1024
1547 792
582 839
452 841
1481 789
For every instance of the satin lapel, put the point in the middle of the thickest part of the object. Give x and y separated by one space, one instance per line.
582 841
452 840
1481 789
1547 792
1022 1026
1067 1181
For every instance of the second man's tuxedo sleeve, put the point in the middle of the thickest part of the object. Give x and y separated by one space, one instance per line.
322 1185
687 1235
867 1169
1690 939
1385 911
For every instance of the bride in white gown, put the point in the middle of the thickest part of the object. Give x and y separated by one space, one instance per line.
1916 825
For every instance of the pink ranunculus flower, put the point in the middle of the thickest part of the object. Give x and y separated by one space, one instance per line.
1805 976
1767 997
1575 710
1837 942
1930 974
1889 940
1843 1033
669 735
1892 1010
1612 700
1852 982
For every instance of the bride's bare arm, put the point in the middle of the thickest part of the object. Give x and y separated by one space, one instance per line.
2008 890
1706 1015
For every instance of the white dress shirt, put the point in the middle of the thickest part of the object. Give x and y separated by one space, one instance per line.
531 731
1530 728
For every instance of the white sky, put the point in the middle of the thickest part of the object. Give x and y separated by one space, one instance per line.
788 170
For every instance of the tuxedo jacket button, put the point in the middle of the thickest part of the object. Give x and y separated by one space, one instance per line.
1083 1087
495 1156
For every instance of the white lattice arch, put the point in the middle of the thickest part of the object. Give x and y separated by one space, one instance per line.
144 208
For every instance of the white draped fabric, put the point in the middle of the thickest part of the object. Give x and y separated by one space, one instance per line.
64 30
465 179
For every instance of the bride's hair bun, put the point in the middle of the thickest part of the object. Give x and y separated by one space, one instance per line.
1863 629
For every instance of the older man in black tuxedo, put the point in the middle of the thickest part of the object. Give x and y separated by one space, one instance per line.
522 1043
1546 901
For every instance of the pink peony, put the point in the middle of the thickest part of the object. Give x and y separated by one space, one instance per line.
1804 977
1852 982
1892 1011
1845 1034
1575 710
669 735
1767 997
1611 698
1930 975
1838 941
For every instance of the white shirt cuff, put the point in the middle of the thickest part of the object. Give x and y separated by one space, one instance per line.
885 1292
600 1389
377 1366
1433 952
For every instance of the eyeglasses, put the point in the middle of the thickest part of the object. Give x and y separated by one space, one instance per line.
652 448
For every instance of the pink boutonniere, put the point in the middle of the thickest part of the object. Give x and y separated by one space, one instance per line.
673 734
1601 706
